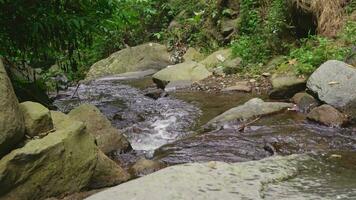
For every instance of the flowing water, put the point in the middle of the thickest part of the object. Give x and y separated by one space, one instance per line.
168 129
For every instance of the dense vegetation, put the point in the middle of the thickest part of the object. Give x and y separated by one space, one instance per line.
75 34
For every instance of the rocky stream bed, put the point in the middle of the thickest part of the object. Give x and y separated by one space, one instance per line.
168 129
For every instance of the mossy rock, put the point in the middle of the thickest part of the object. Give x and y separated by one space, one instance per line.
139 58
12 125
61 163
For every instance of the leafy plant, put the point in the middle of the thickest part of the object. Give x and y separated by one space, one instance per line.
314 51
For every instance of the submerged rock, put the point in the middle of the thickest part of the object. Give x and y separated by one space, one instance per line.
212 180
327 115
37 118
61 163
335 84
187 71
108 138
253 108
304 101
143 167
12 125
286 85
139 58
107 173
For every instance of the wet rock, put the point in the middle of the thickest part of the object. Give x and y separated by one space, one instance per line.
187 71
304 101
38 118
12 125
193 55
155 93
242 86
60 163
139 58
143 167
107 173
334 82
212 180
253 108
327 115
108 138
217 58
286 85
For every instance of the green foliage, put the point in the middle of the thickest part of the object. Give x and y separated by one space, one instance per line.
349 33
313 52
260 37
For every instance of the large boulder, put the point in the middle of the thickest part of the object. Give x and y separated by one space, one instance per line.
253 108
12 125
139 58
285 85
335 84
187 71
107 173
108 138
38 118
61 163
327 115
212 180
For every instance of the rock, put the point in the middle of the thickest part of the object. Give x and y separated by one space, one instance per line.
177 85
327 115
304 101
286 85
108 138
193 55
217 58
60 163
107 173
143 167
266 74
38 119
253 108
187 71
128 75
228 26
242 86
12 125
139 58
334 82
155 93
210 181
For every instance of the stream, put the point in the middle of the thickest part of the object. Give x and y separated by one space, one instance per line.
168 129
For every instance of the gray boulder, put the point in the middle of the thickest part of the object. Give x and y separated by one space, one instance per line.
187 71
335 84
208 181
253 108
12 125
139 58
38 118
